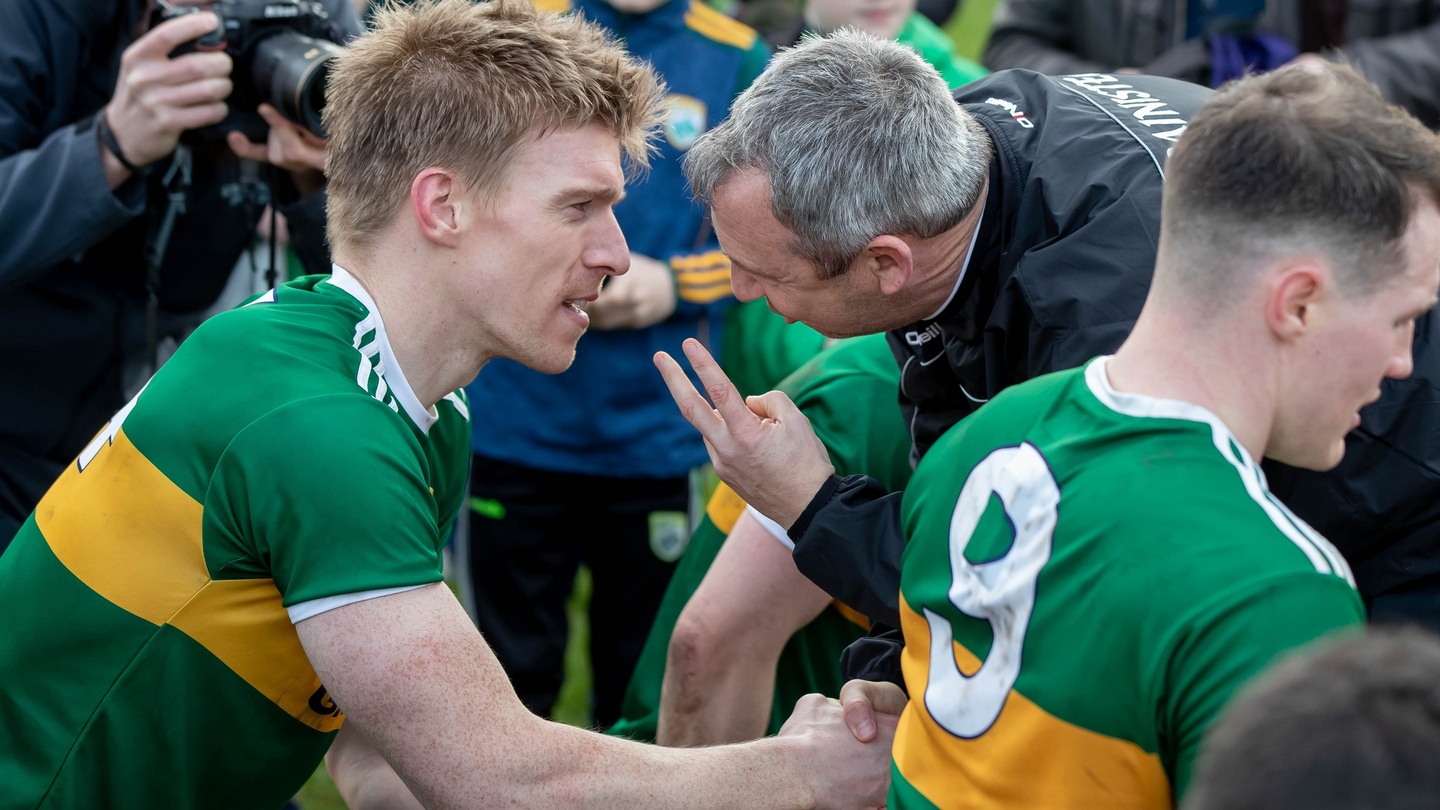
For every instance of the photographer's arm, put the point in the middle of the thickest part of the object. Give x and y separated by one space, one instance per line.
61 190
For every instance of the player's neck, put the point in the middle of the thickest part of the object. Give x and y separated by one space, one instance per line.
1219 369
428 345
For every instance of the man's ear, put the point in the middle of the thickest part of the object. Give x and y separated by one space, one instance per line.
437 200
890 260
1296 287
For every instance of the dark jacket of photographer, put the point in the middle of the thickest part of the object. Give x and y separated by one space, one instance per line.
73 319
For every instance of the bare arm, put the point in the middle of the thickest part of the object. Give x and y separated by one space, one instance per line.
417 681
720 671
363 777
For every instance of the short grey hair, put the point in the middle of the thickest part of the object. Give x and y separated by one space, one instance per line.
860 138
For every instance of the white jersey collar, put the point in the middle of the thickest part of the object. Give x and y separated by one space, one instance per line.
391 375
1144 406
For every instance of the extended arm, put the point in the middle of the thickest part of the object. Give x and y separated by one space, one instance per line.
720 672
418 683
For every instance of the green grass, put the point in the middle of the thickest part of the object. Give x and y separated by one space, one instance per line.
573 706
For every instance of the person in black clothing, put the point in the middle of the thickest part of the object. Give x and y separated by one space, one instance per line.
997 239
91 110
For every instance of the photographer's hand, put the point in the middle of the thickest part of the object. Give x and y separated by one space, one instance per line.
157 98
289 146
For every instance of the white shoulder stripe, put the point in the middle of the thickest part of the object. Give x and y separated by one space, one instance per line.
1317 549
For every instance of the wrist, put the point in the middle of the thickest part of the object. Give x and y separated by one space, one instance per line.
789 757
112 153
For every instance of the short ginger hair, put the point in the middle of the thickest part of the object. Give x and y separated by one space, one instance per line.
461 85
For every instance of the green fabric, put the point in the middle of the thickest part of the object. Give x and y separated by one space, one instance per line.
1168 577
935 47
969 27
849 394
149 660
758 349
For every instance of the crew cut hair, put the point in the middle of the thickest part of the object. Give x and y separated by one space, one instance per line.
1294 162
1352 724
860 138
461 85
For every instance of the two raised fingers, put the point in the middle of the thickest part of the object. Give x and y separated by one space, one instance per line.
729 414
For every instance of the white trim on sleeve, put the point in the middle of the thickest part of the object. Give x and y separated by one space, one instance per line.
305 610
776 530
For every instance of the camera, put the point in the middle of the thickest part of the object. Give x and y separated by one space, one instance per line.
282 52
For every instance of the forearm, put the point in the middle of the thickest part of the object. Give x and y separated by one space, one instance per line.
710 702
421 686
363 778
576 768
55 203
724 650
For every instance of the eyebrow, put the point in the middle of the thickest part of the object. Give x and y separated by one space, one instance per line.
600 192
742 267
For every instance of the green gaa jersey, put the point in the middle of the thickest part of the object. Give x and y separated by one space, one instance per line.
1089 575
277 466
848 394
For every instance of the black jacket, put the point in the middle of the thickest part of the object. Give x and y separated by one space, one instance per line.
72 286
1059 271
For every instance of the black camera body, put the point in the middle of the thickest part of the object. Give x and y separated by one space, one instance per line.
282 52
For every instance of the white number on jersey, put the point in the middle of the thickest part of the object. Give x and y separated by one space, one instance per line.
1000 591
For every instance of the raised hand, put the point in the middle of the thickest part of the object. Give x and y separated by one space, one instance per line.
157 98
289 145
762 446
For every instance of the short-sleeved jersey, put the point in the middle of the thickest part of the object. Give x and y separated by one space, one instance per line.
279 458
1089 576
848 394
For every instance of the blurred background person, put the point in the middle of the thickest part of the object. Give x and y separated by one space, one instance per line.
99 274
594 465
1394 43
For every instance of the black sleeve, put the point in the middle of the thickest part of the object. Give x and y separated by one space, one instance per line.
875 657
848 541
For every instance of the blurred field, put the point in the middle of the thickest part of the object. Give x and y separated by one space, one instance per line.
572 707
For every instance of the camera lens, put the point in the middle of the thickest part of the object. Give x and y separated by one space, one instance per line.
290 70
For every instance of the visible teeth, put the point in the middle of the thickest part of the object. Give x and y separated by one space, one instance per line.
577 305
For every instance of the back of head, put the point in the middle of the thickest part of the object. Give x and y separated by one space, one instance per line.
1296 161
860 137
459 84
1354 725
